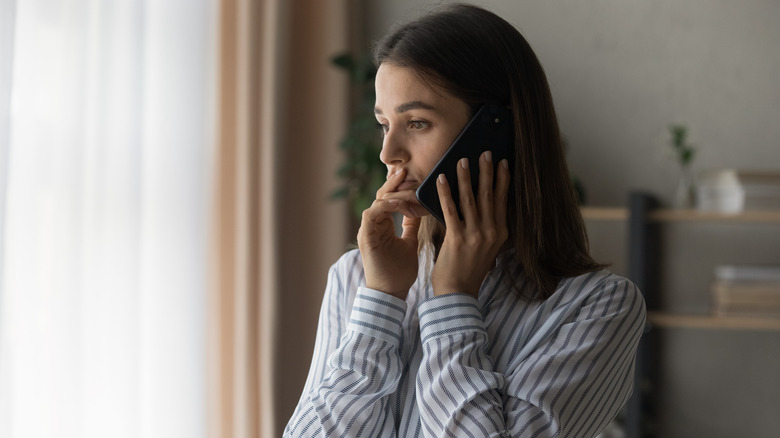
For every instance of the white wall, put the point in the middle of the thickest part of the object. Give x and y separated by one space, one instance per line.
620 72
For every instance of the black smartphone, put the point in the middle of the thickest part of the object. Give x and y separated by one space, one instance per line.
492 129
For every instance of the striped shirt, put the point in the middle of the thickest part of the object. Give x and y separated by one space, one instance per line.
456 366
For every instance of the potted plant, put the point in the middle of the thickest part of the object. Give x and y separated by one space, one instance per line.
684 153
362 173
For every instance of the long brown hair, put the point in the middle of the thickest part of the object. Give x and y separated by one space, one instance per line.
481 58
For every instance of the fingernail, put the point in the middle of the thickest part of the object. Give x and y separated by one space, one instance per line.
397 172
505 163
442 179
488 156
464 163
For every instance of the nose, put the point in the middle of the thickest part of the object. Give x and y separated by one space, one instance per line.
394 151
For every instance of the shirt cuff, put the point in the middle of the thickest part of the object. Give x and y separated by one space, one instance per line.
378 314
448 315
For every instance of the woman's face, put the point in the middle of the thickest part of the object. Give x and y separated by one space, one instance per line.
418 122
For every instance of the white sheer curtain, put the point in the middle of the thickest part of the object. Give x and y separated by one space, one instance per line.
106 142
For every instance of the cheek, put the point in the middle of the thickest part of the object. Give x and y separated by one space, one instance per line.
432 156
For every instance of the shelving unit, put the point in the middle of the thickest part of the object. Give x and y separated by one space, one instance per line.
622 214
663 319
644 220
670 320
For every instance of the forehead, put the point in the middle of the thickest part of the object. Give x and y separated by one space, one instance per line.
396 85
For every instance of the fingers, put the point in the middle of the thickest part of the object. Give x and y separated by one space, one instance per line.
490 205
382 209
501 195
377 223
467 202
470 246
392 183
378 212
409 206
485 202
410 226
450 212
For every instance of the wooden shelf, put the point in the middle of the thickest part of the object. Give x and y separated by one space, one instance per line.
644 223
701 216
668 215
669 320
605 214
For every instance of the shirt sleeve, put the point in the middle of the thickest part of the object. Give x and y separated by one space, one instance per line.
572 383
356 367
576 380
457 389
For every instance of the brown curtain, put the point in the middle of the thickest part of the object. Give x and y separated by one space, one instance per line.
283 110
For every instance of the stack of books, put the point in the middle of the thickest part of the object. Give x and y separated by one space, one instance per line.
762 190
746 291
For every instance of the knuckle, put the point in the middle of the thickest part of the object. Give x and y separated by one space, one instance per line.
458 242
449 208
367 213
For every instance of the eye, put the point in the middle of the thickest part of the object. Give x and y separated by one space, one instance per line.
382 127
418 124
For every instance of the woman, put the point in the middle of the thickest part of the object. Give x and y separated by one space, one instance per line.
499 324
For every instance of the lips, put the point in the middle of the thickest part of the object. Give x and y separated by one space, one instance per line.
408 185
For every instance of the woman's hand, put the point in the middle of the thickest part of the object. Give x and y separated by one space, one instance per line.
471 246
389 261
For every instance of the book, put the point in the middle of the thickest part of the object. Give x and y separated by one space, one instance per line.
746 291
762 190
746 298
770 273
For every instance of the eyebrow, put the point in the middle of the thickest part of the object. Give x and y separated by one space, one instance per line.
404 107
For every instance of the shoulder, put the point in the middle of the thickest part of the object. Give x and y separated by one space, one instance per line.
597 280
586 313
593 282
604 293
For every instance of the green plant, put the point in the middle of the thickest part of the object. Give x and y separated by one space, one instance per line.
684 151
362 172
